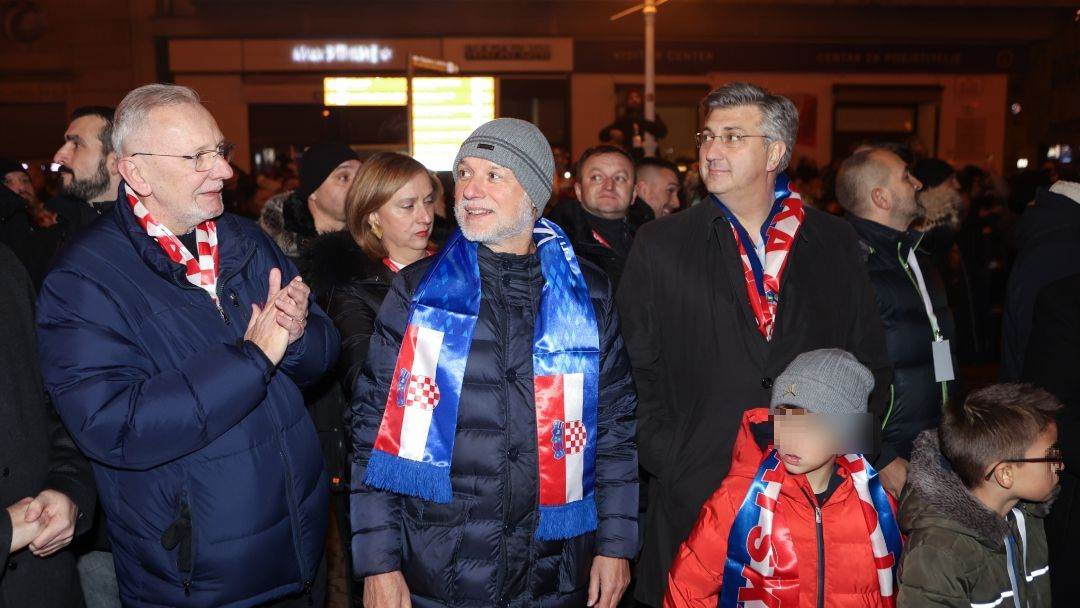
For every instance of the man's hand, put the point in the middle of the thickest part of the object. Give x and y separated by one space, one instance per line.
292 303
386 591
263 328
607 581
894 477
21 531
56 514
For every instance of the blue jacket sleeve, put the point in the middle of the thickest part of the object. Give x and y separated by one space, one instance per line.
120 408
375 514
616 448
316 352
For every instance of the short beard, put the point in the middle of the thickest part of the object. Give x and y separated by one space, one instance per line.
90 188
501 232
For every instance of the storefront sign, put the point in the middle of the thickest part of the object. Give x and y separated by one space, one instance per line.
511 54
373 54
444 112
704 57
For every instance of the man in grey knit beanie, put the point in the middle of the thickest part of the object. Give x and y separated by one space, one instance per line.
498 158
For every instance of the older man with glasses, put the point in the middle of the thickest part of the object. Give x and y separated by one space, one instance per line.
717 300
174 339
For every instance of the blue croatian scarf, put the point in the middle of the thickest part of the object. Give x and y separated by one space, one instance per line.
413 451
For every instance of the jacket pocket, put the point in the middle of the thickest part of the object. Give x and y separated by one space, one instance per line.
433 535
179 536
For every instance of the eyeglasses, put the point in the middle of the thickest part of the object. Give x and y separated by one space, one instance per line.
204 160
1053 456
730 140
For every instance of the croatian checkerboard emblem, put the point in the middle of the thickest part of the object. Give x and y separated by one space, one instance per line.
568 437
417 391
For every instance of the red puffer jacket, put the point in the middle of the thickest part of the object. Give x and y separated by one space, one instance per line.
848 578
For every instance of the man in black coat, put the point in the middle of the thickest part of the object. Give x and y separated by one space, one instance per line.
701 354
486 542
40 468
1048 237
597 223
1052 362
878 192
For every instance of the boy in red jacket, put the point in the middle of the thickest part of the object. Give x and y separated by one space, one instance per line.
806 524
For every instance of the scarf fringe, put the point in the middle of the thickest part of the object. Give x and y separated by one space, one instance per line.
567 521
410 477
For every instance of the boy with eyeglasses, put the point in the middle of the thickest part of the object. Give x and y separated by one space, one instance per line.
978 491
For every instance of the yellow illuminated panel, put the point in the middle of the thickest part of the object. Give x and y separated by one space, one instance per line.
445 110
372 91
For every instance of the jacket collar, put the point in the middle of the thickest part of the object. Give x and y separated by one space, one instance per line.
881 237
234 246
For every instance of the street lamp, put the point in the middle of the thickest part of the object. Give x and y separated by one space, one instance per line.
648 9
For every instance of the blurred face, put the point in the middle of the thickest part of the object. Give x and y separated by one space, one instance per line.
901 186
491 206
659 188
803 440
86 171
20 184
406 218
746 167
1035 481
329 198
175 193
605 186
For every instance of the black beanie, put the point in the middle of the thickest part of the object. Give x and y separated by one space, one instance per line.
932 172
318 162
9 166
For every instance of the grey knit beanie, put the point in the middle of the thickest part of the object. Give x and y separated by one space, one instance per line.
825 381
519 146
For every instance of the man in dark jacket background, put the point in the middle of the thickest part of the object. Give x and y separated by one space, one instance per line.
40 467
174 340
88 167
878 192
1048 239
701 356
484 547
597 222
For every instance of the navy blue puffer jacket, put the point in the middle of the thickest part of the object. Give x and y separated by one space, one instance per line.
206 460
480 550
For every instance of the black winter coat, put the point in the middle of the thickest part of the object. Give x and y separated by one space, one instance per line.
1048 237
36 454
480 549
350 287
576 223
1053 362
699 360
915 398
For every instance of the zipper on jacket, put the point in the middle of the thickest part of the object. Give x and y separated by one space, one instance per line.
819 529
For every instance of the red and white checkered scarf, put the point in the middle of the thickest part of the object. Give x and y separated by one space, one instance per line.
201 272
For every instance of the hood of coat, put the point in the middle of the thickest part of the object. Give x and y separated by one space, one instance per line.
1055 214
935 497
334 259
287 220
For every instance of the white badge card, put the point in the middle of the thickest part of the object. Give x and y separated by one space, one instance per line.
943 370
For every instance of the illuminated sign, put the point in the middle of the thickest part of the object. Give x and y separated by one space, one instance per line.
444 112
342 53
365 91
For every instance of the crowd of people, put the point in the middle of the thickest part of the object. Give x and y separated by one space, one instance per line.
750 383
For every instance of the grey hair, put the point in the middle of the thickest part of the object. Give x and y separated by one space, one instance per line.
132 112
779 117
